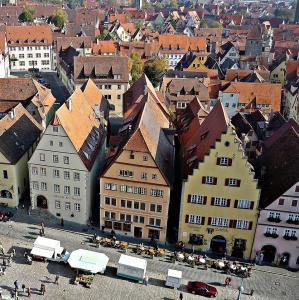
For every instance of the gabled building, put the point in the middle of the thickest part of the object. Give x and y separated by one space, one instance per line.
37 99
250 96
19 135
135 186
69 157
30 47
219 193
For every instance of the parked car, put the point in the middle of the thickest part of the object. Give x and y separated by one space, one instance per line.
201 288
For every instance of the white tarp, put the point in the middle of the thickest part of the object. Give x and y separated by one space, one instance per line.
90 261
132 261
42 252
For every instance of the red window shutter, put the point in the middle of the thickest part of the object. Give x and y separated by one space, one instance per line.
251 204
226 181
230 161
202 220
238 182
218 161
250 225
203 179
212 200
187 219
214 180
231 223
209 220
189 198
228 203
205 200
236 204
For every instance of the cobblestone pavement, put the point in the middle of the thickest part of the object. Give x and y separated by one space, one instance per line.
268 283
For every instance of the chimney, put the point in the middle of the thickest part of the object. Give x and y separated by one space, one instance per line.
69 104
12 113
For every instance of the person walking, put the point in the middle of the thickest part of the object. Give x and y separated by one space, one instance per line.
42 289
56 279
62 222
23 287
181 296
29 291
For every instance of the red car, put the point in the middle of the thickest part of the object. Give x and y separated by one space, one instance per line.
201 288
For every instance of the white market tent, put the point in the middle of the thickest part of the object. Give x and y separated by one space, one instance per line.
45 247
175 273
89 261
132 261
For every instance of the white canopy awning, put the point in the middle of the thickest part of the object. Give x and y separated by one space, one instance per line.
42 252
90 261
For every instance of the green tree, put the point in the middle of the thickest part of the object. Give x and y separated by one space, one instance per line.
60 18
102 36
173 4
139 24
216 24
203 24
27 15
136 66
155 69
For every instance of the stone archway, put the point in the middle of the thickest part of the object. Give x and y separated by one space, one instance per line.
218 244
42 202
6 194
269 253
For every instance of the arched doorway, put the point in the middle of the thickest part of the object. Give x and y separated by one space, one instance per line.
269 253
218 244
6 194
41 202
284 259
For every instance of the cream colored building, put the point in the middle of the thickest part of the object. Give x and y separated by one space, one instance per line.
135 186
19 134
66 163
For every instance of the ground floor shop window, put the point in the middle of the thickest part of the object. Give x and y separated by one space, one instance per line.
196 239
108 224
127 227
152 233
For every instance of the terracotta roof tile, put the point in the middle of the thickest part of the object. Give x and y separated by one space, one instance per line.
103 47
183 42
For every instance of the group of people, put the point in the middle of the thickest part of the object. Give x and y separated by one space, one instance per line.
24 290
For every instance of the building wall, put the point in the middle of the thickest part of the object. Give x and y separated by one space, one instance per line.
278 74
172 59
75 165
138 166
291 104
26 57
284 211
4 65
227 147
230 102
253 48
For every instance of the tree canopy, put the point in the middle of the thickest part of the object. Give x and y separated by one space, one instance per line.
136 66
203 24
60 18
155 69
216 24
103 35
27 15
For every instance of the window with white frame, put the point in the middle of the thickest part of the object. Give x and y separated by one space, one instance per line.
56 188
271 230
209 180
198 199
194 219
110 186
144 175
293 217
57 204
243 204
43 186
274 215
55 159
42 157
126 173
56 173
232 182
76 176
66 175
221 222
43 171
77 206
67 190
76 191
34 171
157 193
35 185
290 232
67 206
66 160
242 224
139 190
220 202
224 161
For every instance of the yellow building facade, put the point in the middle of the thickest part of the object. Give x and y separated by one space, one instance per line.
219 201
198 62
277 75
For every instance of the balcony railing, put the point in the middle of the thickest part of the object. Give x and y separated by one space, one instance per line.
290 238
275 220
272 235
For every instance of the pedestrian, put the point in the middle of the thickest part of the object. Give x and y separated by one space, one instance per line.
42 289
40 232
2 250
23 287
181 296
62 222
25 253
146 280
56 279
9 261
42 224
251 292
13 251
4 262
43 231
29 291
